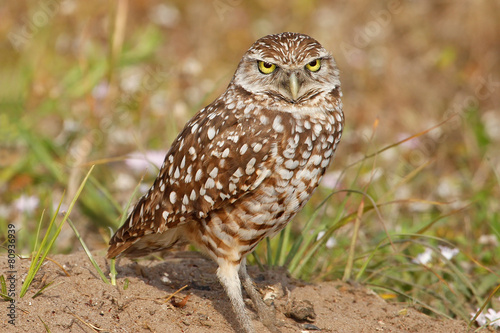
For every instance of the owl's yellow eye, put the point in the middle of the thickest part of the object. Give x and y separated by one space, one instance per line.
266 67
314 65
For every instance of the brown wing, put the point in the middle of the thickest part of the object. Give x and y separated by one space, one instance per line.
214 161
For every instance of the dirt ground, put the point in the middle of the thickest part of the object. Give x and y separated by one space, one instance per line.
81 302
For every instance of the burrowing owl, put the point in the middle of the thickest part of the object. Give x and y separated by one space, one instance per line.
243 166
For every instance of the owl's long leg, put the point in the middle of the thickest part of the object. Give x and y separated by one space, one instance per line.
228 277
267 314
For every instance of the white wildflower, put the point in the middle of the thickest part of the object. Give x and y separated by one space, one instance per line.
165 15
488 240
491 318
331 180
26 204
448 252
140 162
331 242
494 318
424 257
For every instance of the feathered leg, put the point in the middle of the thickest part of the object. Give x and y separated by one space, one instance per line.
228 277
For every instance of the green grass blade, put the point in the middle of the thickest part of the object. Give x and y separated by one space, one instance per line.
257 260
279 249
40 227
35 259
39 292
129 203
3 285
300 244
44 249
112 271
87 251
3 288
102 189
47 329
269 252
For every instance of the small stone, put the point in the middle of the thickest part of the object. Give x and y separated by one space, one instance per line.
301 311
311 327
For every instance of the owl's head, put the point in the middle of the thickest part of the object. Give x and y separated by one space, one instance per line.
290 67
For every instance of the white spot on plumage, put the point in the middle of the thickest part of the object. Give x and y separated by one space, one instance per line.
198 175
289 152
238 173
316 159
173 197
250 166
210 183
214 172
291 164
211 133
264 120
338 116
243 149
194 127
277 125
285 173
165 215
208 199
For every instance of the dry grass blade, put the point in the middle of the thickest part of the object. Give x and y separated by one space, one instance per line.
350 257
118 35
59 265
175 293
407 139
96 329
182 303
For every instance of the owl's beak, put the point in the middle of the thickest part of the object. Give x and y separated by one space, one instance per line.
294 86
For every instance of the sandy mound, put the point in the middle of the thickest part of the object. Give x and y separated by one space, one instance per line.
82 300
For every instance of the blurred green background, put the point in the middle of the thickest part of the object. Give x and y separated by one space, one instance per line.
112 83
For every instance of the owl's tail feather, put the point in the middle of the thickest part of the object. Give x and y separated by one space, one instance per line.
141 246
